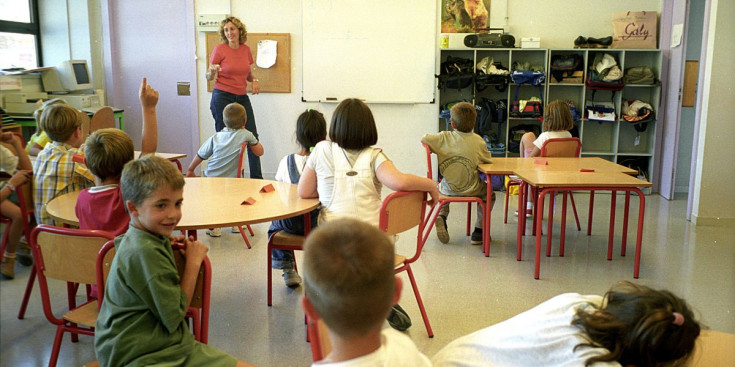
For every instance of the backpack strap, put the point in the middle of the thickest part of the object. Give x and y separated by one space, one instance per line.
293 171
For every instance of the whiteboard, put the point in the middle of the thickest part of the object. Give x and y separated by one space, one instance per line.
375 50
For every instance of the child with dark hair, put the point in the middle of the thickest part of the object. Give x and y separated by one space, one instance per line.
631 325
458 153
141 320
311 128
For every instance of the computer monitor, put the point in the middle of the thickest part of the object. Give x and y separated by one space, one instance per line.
69 76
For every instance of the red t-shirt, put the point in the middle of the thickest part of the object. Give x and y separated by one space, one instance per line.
102 209
234 67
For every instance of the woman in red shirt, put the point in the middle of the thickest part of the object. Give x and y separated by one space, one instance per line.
230 67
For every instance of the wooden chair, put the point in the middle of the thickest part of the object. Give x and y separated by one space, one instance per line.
445 200
71 256
319 339
198 309
283 241
241 156
102 119
400 212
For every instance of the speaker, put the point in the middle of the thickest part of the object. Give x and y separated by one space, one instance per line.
490 40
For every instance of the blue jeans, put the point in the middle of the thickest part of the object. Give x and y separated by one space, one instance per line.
220 99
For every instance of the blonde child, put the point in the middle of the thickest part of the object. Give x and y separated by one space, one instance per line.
557 123
39 139
631 325
141 320
458 153
349 283
311 128
19 165
106 151
55 171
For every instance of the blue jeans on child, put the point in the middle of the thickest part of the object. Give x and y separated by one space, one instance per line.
283 259
220 99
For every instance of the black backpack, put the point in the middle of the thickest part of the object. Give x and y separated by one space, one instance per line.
456 73
563 66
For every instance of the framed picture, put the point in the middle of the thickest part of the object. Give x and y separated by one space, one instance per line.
465 16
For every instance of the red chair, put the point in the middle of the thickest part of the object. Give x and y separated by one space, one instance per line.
198 309
319 339
243 150
445 200
69 255
400 212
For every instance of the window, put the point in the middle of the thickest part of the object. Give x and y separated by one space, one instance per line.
20 46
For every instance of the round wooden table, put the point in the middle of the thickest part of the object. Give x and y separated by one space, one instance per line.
213 202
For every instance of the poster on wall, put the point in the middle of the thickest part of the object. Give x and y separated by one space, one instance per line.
465 16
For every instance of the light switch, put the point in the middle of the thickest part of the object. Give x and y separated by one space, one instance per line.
183 88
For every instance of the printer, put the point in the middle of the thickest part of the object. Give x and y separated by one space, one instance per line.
23 103
80 101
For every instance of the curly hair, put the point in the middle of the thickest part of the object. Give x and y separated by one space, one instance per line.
640 326
240 26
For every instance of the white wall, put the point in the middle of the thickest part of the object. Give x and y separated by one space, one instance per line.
400 127
715 178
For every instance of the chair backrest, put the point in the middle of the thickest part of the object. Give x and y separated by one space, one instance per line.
65 254
319 339
202 291
102 119
429 173
561 147
104 264
240 157
401 211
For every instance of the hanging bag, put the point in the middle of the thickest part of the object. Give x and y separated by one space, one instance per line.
635 29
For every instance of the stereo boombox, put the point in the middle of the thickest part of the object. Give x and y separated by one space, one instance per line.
490 40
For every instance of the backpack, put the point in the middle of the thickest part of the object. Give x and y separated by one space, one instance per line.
490 112
639 75
563 66
456 73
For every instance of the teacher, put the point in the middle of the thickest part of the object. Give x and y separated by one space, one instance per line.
230 67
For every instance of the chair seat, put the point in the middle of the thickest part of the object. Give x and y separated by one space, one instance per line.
281 238
85 314
399 260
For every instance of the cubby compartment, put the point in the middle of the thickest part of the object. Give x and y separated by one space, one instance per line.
599 137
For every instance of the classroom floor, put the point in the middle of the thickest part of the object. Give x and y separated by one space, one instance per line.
463 291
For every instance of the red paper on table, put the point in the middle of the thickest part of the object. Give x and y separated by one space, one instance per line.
541 162
267 188
586 170
248 201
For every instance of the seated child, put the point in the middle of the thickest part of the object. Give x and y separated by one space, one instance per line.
223 149
55 171
141 320
39 139
632 325
106 152
458 153
349 283
311 128
20 167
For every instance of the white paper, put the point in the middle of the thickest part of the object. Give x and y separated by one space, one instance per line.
267 50
676 32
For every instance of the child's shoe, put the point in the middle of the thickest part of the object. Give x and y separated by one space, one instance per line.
7 267
236 229
441 229
399 319
476 238
529 213
23 253
291 278
216 232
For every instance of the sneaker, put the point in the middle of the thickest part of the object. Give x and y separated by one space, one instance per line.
529 213
398 319
7 268
216 232
23 253
476 238
236 229
291 278
441 229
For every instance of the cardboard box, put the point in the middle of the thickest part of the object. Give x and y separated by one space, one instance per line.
530 42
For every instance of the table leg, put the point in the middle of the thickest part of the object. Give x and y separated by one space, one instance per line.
589 217
563 222
486 216
625 223
612 225
192 233
521 223
639 238
549 224
538 212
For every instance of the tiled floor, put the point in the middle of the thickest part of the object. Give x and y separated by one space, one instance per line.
463 291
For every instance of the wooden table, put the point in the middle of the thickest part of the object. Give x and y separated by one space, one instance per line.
714 348
551 180
212 202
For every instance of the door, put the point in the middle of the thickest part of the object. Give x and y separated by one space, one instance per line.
153 39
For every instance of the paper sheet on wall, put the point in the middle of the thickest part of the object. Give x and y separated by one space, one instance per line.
676 32
267 50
